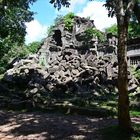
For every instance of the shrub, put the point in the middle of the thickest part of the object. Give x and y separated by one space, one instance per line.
68 21
135 72
93 32
113 29
33 47
12 51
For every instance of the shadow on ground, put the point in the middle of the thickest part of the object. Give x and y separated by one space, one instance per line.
56 126
41 126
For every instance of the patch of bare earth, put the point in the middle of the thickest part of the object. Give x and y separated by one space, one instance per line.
46 126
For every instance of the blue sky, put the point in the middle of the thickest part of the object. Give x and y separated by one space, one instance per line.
46 13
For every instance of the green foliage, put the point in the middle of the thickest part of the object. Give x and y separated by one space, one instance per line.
13 50
13 16
89 33
133 29
112 29
33 47
93 32
135 113
135 73
5 45
68 21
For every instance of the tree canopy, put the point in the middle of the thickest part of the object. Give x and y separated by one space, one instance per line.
133 30
13 15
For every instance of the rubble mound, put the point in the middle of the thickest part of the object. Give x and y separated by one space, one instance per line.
65 67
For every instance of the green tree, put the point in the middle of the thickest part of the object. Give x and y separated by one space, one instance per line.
13 15
112 29
123 10
68 21
133 29
16 51
33 47
93 32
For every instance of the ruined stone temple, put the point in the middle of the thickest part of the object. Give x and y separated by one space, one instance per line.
68 62
61 41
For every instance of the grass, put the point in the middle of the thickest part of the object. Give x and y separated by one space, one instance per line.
115 133
134 113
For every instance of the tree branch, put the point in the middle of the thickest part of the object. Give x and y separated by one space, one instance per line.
119 8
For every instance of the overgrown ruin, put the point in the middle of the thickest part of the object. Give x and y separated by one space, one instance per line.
68 65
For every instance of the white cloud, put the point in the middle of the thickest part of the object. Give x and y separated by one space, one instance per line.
96 11
35 31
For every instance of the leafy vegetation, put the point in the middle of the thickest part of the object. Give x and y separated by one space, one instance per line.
12 28
135 72
133 29
58 3
15 51
113 29
33 47
134 113
93 32
13 16
68 21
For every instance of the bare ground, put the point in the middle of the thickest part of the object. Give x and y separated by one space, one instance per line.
51 126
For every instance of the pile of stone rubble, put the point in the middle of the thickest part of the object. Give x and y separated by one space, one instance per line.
64 64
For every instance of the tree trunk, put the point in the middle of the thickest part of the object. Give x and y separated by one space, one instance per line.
123 101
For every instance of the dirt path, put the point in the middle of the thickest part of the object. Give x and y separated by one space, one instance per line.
46 126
